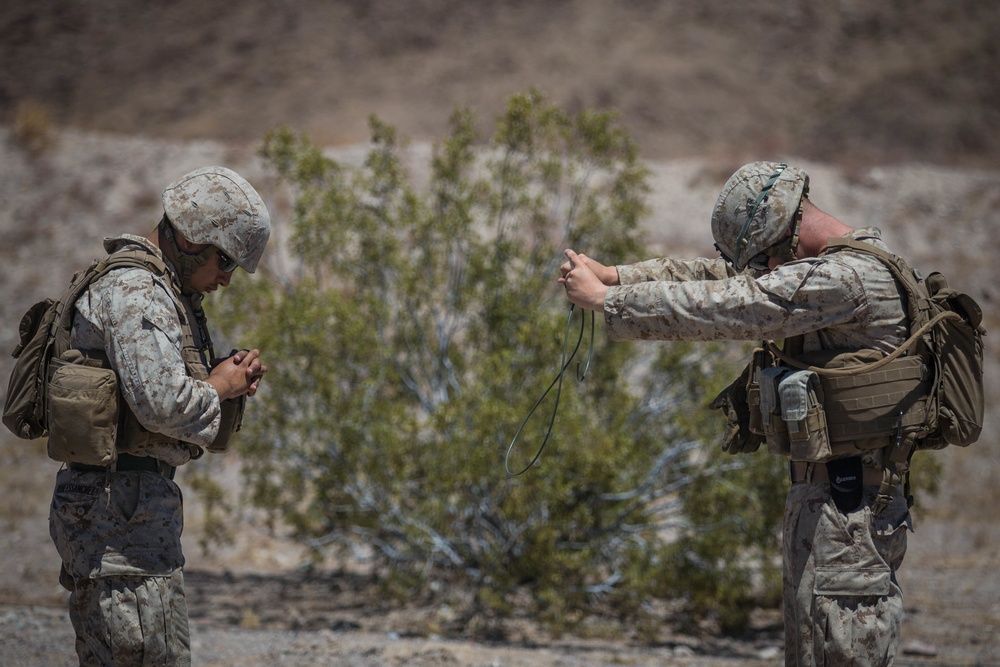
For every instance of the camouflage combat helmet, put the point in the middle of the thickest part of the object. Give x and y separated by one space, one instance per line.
217 206
755 210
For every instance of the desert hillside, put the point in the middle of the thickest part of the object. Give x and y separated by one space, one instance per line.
892 107
847 82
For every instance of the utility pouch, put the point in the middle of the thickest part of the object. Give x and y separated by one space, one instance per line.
230 421
846 483
83 408
801 399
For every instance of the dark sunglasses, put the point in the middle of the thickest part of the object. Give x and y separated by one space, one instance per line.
226 263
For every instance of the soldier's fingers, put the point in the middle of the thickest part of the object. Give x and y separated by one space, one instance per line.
250 358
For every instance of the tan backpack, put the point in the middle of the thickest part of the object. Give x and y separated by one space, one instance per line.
946 328
46 371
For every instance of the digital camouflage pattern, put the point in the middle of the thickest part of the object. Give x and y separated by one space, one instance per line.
134 316
217 206
837 302
774 213
842 603
118 533
119 538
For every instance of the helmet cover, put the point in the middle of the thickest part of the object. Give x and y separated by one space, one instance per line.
756 208
217 206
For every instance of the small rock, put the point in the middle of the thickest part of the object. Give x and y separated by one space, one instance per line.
917 647
769 653
683 651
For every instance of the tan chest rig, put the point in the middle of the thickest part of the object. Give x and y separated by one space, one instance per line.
830 404
90 422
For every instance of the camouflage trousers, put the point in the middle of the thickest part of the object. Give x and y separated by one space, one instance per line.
118 535
842 603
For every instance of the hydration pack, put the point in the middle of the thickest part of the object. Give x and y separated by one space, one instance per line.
926 394
44 335
946 331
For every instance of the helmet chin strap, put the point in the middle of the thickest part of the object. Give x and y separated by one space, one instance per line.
787 250
185 263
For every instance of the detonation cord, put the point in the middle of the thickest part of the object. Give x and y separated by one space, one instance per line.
557 383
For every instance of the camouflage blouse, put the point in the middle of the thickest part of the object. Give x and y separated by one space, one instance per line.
841 301
132 315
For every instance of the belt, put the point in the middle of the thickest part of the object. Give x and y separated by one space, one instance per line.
816 473
128 462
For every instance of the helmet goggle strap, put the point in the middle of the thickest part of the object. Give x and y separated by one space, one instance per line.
741 241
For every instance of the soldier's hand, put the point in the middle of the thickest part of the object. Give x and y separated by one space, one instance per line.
583 287
255 371
238 375
608 275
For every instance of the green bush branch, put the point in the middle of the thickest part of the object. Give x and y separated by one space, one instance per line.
414 331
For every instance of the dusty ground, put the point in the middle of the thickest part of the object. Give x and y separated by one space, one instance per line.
128 96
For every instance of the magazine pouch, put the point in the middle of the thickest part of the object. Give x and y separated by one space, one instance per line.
230 421
771 423
801 399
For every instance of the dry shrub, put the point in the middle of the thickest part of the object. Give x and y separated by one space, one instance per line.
33 127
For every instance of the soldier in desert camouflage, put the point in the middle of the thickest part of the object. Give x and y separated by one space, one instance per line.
842 542
118 528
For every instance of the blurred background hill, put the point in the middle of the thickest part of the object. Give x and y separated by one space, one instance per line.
847 81
892 107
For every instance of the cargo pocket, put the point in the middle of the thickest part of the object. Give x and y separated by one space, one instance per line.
75 503
153 528
856 616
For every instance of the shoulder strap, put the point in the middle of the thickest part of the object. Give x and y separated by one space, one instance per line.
918 304
871 366
136 258
62 323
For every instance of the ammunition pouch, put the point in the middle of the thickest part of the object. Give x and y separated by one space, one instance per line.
827 408
89 424
793 416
